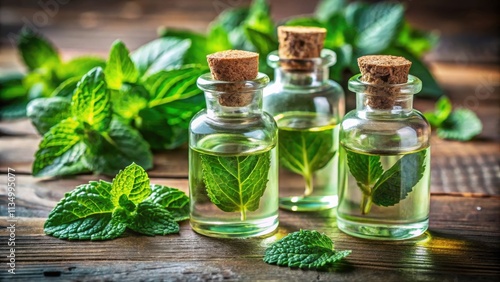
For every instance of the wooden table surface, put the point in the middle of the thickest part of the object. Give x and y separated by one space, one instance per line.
462 243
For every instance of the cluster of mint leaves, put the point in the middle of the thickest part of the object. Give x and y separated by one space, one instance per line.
389 187
306 249
101 210
354 29
113 115
460 124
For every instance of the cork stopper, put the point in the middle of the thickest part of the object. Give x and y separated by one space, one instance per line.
383 71
234 65
298 43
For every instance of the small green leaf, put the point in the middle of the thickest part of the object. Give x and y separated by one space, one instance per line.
441 112
85 214
160 54
120 68
328 8
37 51
217 39
129 100
133 182
232 22
461 125
236 184
366 169
90 102
398 181
197 52
60 151
47 112
11 87
66 88
304 249
78 67
152 219
416 41
172 199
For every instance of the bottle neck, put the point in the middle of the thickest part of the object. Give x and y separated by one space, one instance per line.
376 104
217 108
318 76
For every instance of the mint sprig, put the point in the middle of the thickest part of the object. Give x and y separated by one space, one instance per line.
101 210
304 249
459 124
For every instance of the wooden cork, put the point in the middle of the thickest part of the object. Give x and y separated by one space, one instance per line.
298 43
383 71
233 66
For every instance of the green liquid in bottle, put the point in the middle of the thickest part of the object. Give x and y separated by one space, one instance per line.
308 144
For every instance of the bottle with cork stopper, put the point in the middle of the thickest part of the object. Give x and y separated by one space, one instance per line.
384 154
233 170
307 106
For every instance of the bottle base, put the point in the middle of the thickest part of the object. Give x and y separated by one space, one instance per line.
310 203
382 231
245 229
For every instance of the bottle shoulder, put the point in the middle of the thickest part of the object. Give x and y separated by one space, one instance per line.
204 124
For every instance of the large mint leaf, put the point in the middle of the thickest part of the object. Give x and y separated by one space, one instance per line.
78 67
152 219
85 213
91 101
236 184
305 152
197 52
366 169
61 151
461 124
172 199
66 88
328 8
47 112
36 51
120 68
304 249
168 86
116 148
160 54
398 181
133 182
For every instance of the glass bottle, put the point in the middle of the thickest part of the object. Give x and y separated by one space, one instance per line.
385 163
233 174
307 107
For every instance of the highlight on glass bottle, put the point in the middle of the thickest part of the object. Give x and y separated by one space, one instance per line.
233 175
385 163
307 107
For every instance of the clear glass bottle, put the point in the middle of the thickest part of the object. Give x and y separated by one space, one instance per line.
307 107
233 171
385 163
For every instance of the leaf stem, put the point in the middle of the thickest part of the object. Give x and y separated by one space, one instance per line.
308 179
243 214
366 204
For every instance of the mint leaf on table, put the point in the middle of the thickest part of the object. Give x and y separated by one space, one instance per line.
102 210
236 184
304 152
461 125
120 68
172 199
47 112
441 112
389 187
304 249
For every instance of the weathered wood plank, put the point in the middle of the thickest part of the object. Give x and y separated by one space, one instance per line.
463 243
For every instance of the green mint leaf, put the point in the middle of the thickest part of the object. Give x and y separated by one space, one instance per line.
160 54
47 112
126 204
91 101
61 151
376 26
78 67
217 39
129 100
328 8
14 110
66 88
133 183
232 22
304 152
236 184
36 51
121 145
366 170
398 181
441 112
152 219
172 199
304 249
197 52
85 214
168 86
120 68
11 87
416 41
461 125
